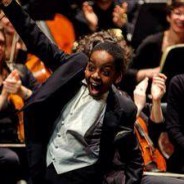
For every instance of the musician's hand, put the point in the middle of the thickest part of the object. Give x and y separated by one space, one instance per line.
140 95
158 87
5 2
90 16
148 72
120 15
12 83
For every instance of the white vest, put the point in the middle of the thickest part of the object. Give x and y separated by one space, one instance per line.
66 148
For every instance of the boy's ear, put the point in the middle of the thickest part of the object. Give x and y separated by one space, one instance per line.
118 79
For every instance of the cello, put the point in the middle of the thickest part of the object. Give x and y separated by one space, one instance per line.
153 159
63 36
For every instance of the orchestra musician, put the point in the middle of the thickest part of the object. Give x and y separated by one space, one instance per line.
19 82
152 127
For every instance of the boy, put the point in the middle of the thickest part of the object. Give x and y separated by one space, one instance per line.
72 124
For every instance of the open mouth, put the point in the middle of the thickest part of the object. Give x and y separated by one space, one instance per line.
95 88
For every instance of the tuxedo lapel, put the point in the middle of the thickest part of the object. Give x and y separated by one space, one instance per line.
70 72
109 128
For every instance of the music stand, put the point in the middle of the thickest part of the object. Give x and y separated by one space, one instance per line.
172 61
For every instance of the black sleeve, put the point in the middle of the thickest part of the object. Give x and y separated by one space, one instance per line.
129 151
154 130
174 115
130 154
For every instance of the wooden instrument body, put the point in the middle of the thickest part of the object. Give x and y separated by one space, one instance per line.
153 159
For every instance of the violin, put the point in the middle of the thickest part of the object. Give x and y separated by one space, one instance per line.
153 159
16 100
165 145
18 103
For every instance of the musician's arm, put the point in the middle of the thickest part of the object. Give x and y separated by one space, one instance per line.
158 89
3 98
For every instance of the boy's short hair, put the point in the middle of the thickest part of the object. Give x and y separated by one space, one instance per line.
115 51
88 42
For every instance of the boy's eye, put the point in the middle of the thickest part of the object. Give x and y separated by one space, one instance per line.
106 72
2 43
91 68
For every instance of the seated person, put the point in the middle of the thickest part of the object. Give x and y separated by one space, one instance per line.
152 127
147 57
11 129
100 15
149 129
11 126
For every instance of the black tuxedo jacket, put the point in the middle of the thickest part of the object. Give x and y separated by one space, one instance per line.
45 105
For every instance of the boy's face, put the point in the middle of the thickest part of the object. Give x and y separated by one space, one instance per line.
100 73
